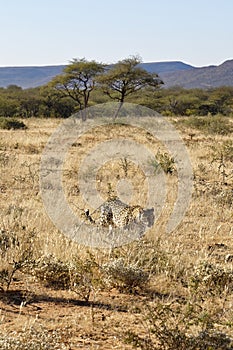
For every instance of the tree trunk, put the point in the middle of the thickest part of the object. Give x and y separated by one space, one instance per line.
118 110
83 113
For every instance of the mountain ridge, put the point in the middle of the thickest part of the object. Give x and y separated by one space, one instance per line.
201 77
173 73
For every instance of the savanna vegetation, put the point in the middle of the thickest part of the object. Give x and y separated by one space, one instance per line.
85 83
165 291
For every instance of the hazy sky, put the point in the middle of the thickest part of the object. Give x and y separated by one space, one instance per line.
50 32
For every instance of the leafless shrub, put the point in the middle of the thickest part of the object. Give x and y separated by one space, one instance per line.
18 250
125 164
8 239
4 159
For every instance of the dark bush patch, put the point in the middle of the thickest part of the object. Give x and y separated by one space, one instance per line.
11 123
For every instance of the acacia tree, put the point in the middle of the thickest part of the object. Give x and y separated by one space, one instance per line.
78 81
125 78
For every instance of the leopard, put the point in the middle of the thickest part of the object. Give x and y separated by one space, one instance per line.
115 213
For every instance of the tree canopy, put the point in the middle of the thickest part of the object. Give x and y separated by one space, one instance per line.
125 78
78 80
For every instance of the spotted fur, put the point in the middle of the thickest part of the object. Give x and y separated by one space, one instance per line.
115 213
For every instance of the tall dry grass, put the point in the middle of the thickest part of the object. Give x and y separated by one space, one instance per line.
192 264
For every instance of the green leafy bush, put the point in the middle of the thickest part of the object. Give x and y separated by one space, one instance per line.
163 161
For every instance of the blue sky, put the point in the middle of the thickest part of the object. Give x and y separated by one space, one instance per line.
50 32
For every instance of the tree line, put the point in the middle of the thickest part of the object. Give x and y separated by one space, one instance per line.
84 83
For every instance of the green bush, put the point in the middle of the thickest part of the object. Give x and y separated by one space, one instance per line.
211 125
163 161
11 123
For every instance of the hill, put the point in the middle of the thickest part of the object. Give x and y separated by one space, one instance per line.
165 67
173 73
28 77
205 77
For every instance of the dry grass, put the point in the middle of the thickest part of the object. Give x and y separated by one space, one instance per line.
144 294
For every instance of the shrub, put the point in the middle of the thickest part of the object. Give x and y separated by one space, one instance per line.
124 277
163 161
173 339
11 123
53 272
8 239
222 196
77 276
173 326
35 339
225 197
16 247
223 151
211 124
131 267
213 279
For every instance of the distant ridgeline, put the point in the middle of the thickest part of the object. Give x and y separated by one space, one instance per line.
28 77
173 73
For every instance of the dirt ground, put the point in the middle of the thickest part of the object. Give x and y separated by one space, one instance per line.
103 322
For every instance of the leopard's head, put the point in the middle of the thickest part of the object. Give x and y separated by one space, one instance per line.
137 212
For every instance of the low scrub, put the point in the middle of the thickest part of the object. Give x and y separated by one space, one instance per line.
211 279
174 326
34 339
124 276
79 276
211 124
11 123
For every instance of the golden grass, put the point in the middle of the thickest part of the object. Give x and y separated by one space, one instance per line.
205 234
